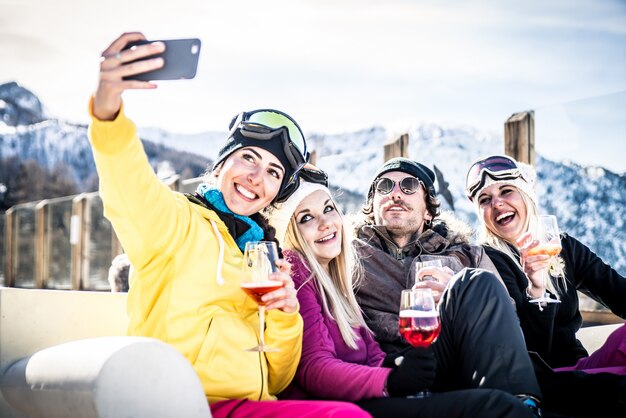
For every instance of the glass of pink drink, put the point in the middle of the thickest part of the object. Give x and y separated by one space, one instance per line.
259 261
419 320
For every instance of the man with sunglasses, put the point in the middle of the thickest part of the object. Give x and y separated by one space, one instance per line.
480 345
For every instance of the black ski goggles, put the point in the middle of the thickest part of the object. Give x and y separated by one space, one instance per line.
498 167
309 173
408 185
312 174
266 124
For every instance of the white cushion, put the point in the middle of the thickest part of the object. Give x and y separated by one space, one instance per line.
593 337
105 377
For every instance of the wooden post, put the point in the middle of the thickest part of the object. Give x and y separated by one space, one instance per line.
116 245
519 137
9 251
3 248
173 182
77 239
42 259
398 147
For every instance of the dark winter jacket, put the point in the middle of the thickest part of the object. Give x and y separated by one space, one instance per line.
389 269
552 332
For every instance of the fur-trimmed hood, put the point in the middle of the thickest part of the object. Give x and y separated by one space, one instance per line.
448 234
453 229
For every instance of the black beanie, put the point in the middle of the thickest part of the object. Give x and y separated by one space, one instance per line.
417 170
236 141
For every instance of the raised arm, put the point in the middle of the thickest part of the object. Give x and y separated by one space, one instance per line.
135 200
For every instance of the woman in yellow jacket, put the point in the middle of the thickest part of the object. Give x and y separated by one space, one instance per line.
186 251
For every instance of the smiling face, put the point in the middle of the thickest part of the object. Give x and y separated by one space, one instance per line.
503 211
250 179
320 225
402 214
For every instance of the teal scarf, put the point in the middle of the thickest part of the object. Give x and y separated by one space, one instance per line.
215 198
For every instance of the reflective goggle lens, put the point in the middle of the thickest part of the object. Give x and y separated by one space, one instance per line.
408 185
274 120
313 174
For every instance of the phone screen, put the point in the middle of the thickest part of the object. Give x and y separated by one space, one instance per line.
180 60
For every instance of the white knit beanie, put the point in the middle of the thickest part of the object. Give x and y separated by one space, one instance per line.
280 216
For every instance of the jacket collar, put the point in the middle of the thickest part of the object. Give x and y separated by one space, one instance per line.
435 240
236 227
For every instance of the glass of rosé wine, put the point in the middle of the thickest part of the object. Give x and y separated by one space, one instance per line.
259 261
548 235
419 320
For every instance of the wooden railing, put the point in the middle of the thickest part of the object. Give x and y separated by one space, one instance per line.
63 243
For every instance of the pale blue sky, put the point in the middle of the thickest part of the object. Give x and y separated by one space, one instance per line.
346 65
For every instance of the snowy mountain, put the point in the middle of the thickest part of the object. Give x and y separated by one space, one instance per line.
590 202
28 133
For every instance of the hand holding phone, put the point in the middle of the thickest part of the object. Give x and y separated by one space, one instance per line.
180 60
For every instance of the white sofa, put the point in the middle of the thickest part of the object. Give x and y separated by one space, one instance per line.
593 337
64 354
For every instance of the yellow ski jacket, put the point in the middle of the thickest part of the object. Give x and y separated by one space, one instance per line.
185 286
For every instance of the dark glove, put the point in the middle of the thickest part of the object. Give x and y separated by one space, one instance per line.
390 359
415 373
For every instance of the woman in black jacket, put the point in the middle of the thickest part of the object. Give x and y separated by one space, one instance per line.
503 191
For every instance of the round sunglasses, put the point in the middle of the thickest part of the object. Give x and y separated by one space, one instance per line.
408 185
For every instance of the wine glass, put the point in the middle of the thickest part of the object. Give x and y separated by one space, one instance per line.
419 321
426 263
547 232
259 261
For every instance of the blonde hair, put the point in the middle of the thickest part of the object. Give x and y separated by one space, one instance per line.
337 285
487 237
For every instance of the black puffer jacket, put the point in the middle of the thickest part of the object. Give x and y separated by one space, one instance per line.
552 332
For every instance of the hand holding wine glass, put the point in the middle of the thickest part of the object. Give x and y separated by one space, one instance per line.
547 233
426 265
419 322
432 274
259 262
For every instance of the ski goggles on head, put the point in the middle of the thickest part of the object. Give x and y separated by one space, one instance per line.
498 167
312 174
266 124
308 173
408 185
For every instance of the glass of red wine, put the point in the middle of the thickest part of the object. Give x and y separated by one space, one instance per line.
259 261
419 320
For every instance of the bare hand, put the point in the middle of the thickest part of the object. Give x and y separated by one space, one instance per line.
284 298
108 96
533 265
441 276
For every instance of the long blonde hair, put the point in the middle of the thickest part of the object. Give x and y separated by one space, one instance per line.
337 285
486 237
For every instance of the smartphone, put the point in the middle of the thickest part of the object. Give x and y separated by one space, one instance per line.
180 60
